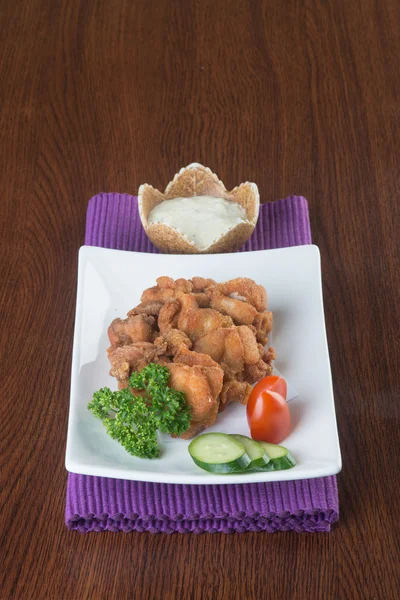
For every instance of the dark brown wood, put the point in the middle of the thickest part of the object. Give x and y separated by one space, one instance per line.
300 97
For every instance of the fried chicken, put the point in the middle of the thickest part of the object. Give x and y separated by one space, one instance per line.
171 341
146 308
263 367
263 326
185 357
232 348
242 359
200 284
169 313
131 357
200 378
245 302
225 347
197 322
211 337
179 285
166 288
243 288
240 311
135 328
234 391
200 287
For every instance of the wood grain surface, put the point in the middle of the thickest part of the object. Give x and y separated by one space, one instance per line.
301 97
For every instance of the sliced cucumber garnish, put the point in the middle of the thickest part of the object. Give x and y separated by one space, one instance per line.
219 453
223 453
281 458
258 456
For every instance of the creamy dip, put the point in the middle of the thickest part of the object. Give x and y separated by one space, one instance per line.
202 219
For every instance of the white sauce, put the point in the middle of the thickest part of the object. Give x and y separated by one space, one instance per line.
202 219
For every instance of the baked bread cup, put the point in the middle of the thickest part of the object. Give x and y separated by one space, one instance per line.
196 180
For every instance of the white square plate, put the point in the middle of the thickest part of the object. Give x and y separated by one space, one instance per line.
110 283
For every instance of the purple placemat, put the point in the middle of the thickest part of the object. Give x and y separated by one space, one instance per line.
98 503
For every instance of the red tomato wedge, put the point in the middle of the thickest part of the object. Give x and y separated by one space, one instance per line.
268 414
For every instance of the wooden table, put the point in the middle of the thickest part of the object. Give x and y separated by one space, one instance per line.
300 97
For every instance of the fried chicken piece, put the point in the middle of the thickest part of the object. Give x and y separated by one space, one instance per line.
269 355
136 328
157 294
225 347
171 341
146 308
133 357
200 378
263 326
169 313
184 313
232 348
200 285
163 360
179 285
234 391
201 386
193 359
193 382
252 350
253 373
244 288
262 368
187 302
165 289
186 357
241 312
197 322
196 427
164 282
202 299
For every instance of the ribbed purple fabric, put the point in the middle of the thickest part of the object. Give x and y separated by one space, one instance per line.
98 504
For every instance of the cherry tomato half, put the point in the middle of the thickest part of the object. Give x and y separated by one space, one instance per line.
268 415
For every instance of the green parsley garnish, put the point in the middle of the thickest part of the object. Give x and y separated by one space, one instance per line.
134 420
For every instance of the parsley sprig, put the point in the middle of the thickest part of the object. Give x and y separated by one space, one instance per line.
134 420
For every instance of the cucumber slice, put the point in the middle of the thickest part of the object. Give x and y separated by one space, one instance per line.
219 453
258 456
281 458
